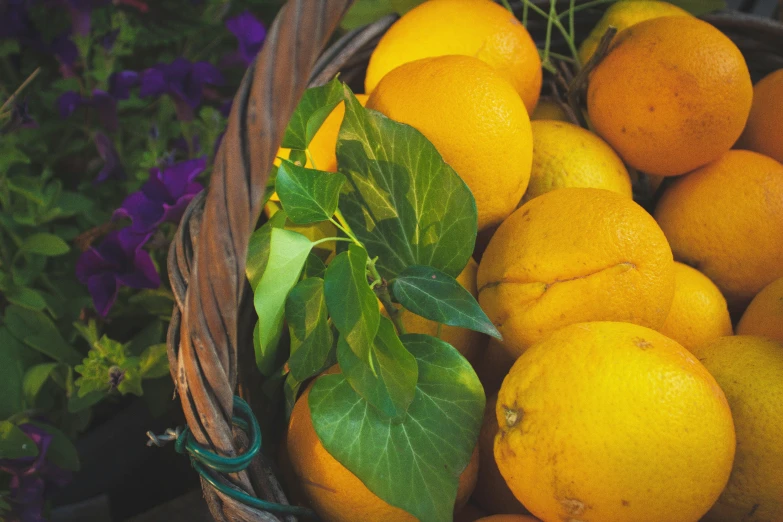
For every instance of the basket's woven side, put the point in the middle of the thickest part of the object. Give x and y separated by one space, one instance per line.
209 281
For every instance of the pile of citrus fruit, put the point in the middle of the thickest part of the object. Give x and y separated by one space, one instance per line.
620 391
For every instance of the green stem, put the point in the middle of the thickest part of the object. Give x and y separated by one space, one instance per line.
571 31
553 19
20 88
507 5
343 225
328 239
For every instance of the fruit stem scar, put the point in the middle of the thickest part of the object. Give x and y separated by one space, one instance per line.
513 416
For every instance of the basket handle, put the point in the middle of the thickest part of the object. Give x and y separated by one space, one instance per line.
208 279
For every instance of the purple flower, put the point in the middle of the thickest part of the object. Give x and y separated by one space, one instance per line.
103 103
118 261
108 39
251 34
66 53
15 21
81 13
120 84
112 167
31 477
164 196
183 81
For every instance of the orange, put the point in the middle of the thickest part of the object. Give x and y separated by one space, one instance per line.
699 312
726 220
613 422
750 372
673 94
335 493
623 15
478 28
764 315
764 131
492 492
508 518
574 255
469 113
566 155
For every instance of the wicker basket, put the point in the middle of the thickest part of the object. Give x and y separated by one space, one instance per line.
210 336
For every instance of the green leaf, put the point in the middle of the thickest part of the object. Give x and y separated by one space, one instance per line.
14 443
434 295
108 363
37 331
403 6
351 302
26 297
287 254
307 195
148 336
314 266
296 156
313 109
364 12
77 404
402 200
44 244
392 389
422 456
34 379
11 375
8 47
311 336
89 331
699 7
290 392
154 362
61 451
258 248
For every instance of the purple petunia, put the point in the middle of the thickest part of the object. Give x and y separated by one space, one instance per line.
112 167
81 14
118 261
250 33
31 477
103 103
120 84
183 81
164 196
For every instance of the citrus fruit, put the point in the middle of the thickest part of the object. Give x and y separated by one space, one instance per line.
508 518
492 365
566 155
726 220
478 28
549 110
613 422
574 255
750 371
469 513
673 94
623 15
335 493
492 492
764 130
699 312
469 113
764 315
467 342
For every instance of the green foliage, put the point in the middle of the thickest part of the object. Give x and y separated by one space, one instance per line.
311 335
14 443
310 113
308 196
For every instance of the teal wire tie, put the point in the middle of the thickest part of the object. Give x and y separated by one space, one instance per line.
206 462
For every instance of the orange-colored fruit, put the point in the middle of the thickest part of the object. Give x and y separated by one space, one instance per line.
478 28
549 110
566 155
750 371
623 15
469 113
492 493
673 94
764 130
726 219
764 315
574 255
613 422
699 312
508 518
335 493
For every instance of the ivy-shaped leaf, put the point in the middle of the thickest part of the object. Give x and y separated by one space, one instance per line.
287 254
413 464
308 195
258 248
439 297
406 205
311 335
352 303
310 113
391 390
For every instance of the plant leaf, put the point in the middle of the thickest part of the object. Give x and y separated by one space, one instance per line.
311 336
34 379
290 392
434 295
37 331
61 451
310 113
402 200
11 374
314 266
26 297
77 403
154 362
258 248
14 443
308 195
365 12
44 244
351 302
287 254
392 389
148 336
414 464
